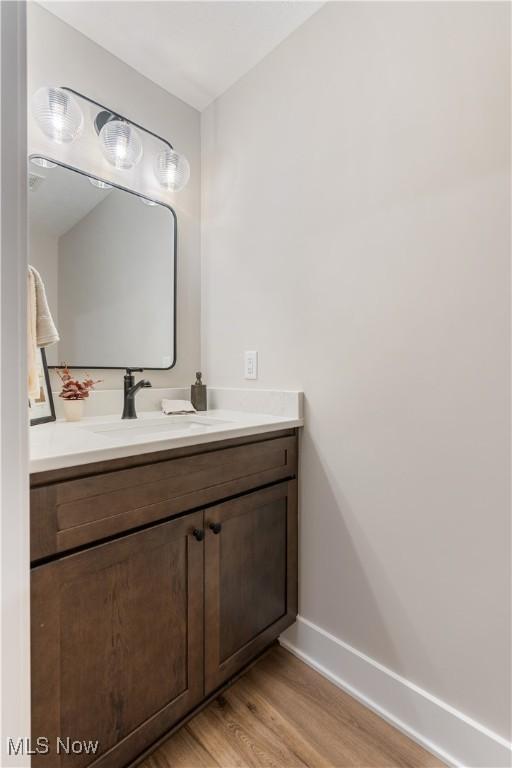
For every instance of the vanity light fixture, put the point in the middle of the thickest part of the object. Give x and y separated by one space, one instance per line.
121 144
99 184
58 114
42 162
172 170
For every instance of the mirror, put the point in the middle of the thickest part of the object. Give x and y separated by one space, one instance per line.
108 261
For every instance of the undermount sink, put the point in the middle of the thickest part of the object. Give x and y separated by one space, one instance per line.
191 424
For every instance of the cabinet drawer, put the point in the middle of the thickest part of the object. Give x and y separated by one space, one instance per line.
69 514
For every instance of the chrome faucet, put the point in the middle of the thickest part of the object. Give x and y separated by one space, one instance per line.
130 390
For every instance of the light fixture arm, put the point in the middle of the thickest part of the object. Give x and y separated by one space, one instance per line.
114 116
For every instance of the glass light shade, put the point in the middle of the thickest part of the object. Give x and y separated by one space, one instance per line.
121 144
172 170
99 184
57 114
42 162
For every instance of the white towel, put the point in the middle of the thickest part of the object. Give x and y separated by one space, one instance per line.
33 373
40 327
177 407
45 327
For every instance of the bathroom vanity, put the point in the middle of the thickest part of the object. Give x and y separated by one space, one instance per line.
156 579
163 548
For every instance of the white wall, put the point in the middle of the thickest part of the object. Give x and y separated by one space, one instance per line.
356 233
14 514
58 54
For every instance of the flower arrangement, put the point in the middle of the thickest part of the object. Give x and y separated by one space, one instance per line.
74 389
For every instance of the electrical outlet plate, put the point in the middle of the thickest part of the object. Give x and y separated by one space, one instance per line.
251 365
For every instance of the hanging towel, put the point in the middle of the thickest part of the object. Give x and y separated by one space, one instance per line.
33 373
45 327
41 328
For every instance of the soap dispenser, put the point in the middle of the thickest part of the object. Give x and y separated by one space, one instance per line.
198 394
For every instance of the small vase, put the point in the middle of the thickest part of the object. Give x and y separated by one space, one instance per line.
73 409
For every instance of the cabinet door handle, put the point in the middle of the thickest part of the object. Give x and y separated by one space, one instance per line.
216 527
198 534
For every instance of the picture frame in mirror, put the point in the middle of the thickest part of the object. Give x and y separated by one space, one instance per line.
42 409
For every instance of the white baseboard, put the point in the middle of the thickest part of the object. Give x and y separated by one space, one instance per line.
452 736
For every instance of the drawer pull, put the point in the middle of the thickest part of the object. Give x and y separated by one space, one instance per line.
198 534
216 527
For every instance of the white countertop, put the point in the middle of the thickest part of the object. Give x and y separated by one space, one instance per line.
61 443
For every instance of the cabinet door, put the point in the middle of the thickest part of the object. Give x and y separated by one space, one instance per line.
117 643
250 577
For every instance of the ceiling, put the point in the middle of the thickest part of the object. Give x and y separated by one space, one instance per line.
195 50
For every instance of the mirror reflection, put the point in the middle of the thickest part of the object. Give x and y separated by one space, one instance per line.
107 257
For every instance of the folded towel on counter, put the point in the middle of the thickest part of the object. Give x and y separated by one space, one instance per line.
177 407
41 329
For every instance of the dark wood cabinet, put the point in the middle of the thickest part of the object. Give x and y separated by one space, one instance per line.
250 577
117 642
130 634
78 506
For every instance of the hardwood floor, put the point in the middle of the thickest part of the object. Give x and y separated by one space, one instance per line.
283 714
